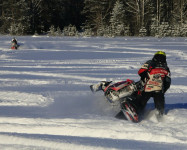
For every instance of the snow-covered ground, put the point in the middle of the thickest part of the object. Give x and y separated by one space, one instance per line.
45 101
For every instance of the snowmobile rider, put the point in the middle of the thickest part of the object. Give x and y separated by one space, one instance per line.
14 41
156 76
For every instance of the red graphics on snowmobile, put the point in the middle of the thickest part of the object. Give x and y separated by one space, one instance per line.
116 91
14 46
122 92
129 111
119 85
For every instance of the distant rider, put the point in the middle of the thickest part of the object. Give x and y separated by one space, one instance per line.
14 44
14 41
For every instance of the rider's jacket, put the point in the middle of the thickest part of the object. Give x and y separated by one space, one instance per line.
156 76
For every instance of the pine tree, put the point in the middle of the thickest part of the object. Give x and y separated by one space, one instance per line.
70 30
151 18
16 18
143 31
52 31
153 28
118 18
23 17
58 31
183 30
118 13
164 29
87 32
97 17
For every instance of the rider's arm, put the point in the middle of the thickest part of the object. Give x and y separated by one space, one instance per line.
143 70
167 81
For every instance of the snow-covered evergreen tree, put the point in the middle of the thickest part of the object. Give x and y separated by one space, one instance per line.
164 30
58 31
108 32
52 31
117 19
183 30
101 30
118 14
143 31
12 30
15 17
70 30
99 17
153 27
87 32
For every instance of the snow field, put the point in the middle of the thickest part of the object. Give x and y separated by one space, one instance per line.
45 101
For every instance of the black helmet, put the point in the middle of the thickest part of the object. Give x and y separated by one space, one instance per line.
160 57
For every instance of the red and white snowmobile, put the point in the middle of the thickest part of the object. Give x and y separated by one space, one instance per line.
124 92
14 45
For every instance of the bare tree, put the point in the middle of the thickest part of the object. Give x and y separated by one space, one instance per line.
179 11
137 8
97 13
35 12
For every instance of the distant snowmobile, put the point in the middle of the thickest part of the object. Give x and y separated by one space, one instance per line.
124 92
14 44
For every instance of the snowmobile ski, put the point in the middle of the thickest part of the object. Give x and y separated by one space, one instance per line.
129 112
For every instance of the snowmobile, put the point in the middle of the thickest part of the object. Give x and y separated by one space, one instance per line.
125 92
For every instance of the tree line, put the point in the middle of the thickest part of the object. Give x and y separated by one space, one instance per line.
94 17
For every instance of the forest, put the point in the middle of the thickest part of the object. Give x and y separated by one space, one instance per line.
158 18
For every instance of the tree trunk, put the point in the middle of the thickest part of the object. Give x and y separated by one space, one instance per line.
143 12
158 13
181 11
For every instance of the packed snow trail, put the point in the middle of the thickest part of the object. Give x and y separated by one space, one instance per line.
45 101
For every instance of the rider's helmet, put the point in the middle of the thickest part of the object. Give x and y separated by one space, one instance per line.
160 57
